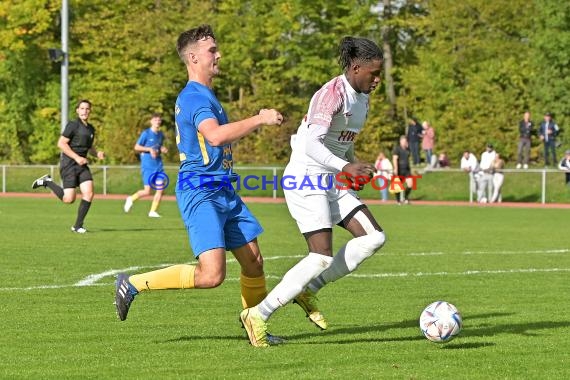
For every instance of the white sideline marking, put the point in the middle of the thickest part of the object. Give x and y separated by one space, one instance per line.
92 279
466 273
517 252
425 254
483 252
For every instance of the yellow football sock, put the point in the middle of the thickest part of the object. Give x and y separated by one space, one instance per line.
175 277
135 196
154 206
253 290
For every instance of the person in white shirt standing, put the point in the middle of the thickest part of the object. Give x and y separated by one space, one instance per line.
485 191
324 148
498 178
470 165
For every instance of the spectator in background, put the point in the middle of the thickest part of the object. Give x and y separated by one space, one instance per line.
401 163
548 132
413 137
443 160
525 132
498 178
565 166
384 170
469 164
428 142
485 186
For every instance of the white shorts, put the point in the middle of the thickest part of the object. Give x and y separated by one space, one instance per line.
317 207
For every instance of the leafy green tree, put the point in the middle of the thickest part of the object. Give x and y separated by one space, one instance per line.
26 29
282 61
123 58
469 67
551 62
472 75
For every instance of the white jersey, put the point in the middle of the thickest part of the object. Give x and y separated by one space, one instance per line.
337 106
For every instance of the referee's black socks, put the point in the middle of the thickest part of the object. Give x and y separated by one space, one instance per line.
82 212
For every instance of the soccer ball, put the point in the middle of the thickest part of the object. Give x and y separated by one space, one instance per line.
440 322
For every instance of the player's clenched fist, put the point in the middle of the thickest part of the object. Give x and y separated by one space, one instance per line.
355 169
271 116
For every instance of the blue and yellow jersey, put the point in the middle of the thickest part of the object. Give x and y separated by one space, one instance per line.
199 161
154 140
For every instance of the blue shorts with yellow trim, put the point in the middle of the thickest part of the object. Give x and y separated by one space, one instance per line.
216 218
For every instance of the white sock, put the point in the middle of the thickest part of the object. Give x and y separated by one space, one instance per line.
349 258
293 283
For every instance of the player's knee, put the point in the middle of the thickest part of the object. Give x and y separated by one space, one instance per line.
252 266
212 280
68 199
371 243
378 238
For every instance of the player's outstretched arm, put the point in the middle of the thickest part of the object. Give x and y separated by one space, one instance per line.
221 135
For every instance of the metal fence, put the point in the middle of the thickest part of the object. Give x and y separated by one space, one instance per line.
14 181
106 172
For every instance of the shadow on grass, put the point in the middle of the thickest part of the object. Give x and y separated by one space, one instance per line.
189 338
466 346
350 334
525 329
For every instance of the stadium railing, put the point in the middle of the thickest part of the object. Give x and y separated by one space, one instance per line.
124 179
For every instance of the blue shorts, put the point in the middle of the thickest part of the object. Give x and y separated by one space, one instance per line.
216 218
147 173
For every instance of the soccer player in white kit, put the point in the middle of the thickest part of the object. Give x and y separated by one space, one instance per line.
323 148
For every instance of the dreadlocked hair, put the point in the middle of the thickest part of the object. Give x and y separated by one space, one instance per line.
192 36
357 49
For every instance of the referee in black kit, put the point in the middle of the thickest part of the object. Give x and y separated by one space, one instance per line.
75 142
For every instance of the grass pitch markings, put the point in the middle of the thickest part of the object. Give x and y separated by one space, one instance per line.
354 275
92 279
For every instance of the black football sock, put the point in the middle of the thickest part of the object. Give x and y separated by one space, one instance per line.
57 190
82 211
407 193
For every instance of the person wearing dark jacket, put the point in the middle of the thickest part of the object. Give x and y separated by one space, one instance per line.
548 132
414 135
526 127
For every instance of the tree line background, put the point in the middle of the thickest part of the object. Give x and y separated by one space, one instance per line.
470 67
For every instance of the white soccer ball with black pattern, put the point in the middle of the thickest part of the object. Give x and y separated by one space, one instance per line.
440 322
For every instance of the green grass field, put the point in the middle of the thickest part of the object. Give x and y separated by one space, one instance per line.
505 269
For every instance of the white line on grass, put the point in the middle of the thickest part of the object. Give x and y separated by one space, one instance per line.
517 252
547 251
465 273
92 279
355 275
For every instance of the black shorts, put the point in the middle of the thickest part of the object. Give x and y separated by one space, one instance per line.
73 174
404 172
